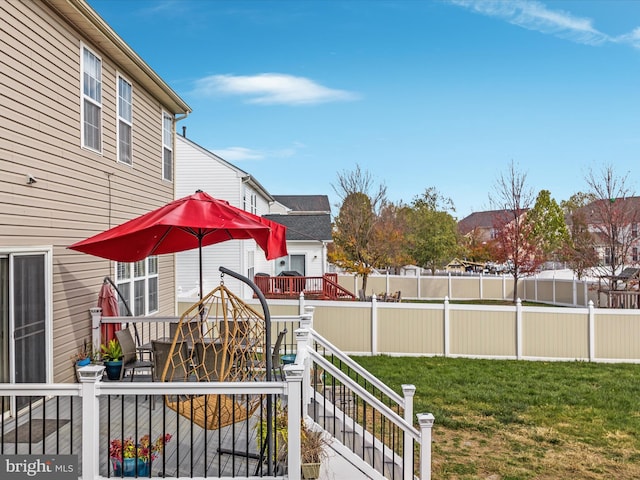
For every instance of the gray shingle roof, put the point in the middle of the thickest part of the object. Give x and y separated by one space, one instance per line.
305 227
305 203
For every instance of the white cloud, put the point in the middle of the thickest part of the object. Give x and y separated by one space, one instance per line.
238 154
632 38
234 154
272 89
534 15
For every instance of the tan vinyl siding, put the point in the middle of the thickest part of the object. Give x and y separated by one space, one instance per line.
78 192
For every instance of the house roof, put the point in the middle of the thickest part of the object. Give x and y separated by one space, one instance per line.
305 227
592 212
305 203
81 16
484 220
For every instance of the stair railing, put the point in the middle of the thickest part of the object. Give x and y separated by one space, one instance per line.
366 416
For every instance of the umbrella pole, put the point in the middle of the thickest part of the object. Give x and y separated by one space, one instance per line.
267 340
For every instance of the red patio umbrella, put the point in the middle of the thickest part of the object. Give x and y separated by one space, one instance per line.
108 301
191 222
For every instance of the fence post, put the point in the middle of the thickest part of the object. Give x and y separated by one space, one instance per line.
374 325
481 280
519 329
419 285
293 375
90 378
574 292
425 420
446 327
408 391
592 332
301 303
449 287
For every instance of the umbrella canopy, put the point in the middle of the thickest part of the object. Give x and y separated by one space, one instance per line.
108 301
191 222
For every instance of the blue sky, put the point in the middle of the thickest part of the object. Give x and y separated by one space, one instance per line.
421 94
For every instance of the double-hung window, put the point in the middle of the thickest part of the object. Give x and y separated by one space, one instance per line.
138 284
91 100
167 147
125 120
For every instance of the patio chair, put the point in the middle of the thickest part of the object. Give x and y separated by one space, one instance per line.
179 367
217 357
130 361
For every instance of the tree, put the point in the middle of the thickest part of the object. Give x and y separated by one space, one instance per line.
579 251
548 228
433 237
612 216
390 237
354 248
513 233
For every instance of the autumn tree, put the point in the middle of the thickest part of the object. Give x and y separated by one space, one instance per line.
355 246
390 237
513 234
612 215
579 251
548 228
433 235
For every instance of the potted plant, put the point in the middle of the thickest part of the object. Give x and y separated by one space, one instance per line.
112 358
312 444
84 355
313 451
131 459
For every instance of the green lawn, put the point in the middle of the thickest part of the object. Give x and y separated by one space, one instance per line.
508 420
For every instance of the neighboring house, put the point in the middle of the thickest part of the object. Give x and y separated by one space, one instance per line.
481 226
307 218
86 143
308 221
615 225
198 168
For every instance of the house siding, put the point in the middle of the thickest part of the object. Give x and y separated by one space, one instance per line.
78 193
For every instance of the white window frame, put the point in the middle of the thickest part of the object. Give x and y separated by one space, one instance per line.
167 145
143 273
91 94
125 117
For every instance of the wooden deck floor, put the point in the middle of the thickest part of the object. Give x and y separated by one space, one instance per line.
192 451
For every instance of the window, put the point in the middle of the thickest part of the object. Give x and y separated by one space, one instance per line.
167 147
251 268
91 100
138 284
634 230
254 204
125 121
634 254
607 256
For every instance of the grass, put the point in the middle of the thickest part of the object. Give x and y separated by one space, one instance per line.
517 420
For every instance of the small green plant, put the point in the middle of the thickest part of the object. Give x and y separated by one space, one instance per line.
112 351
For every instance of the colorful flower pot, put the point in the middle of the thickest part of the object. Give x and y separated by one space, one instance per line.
129 467
84 362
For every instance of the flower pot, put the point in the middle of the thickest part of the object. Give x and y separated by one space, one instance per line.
113 368
84 362
310 470
129 467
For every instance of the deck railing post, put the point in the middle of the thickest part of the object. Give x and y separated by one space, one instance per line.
96 319
293 374
302 345
90 378
426 424
408 392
